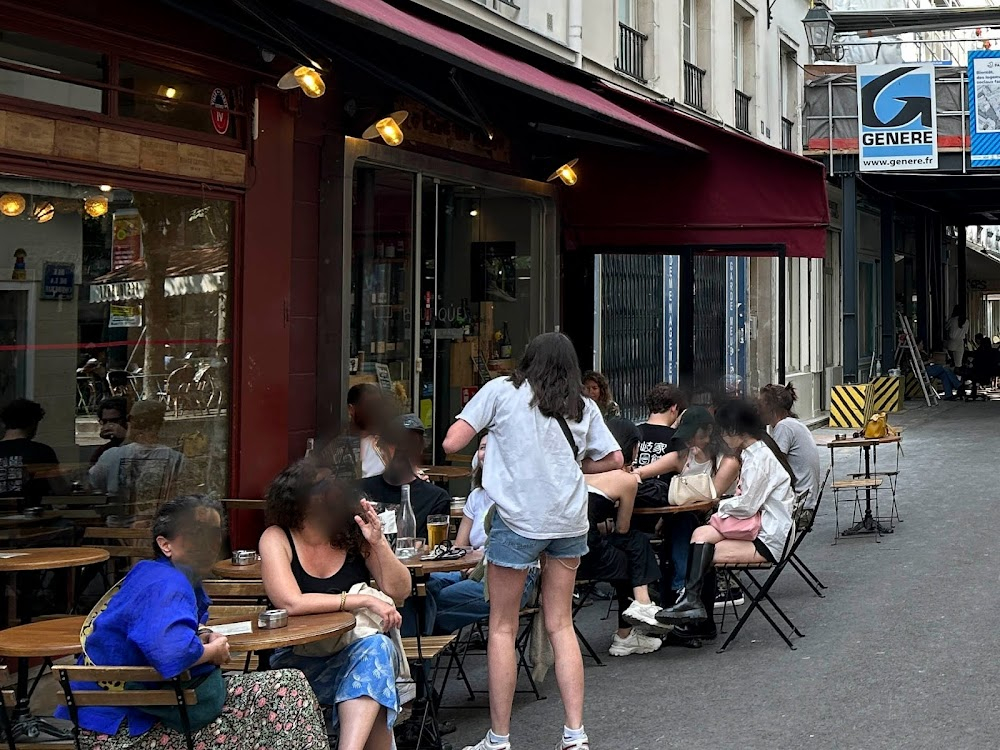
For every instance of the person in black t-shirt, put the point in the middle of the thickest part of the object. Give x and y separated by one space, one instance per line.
28 469
665 403
405 439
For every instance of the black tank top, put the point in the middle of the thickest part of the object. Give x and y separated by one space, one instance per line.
351 572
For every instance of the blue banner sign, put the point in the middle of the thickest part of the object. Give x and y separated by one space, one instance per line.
984 108
897 118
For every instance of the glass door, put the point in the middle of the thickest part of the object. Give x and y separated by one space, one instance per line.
16 355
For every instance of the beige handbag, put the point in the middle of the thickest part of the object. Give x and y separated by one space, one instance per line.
366 623
694 488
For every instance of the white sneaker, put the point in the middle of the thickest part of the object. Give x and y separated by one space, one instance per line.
643 616
636 643
581 744
485 744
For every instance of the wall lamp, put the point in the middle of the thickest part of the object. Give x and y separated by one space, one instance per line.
566 173
389 128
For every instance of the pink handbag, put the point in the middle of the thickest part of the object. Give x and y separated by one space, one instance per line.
740 529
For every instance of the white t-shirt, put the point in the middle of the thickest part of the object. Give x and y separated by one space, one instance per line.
371 460
149 464
529 469
476 507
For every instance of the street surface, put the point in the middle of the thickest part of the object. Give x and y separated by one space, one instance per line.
900 653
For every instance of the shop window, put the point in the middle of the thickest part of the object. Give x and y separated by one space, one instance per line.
120 294
42 63
867 308
167 98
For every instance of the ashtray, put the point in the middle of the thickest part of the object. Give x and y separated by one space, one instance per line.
271 619
245 557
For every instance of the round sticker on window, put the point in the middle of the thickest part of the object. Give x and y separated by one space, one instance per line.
220 112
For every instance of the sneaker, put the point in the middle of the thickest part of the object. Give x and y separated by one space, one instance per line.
485 744
636 643
643 616
581 744
733 597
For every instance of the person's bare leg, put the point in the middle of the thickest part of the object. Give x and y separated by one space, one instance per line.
558 580
641 594
357 717
707 534
506 586
381 736
734 551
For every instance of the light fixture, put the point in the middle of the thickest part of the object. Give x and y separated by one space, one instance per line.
105 188
566 173
12 204
820 26
167 92
389 128
306 78
96 206
43 212
474 212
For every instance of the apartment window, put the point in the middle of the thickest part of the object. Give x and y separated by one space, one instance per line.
799 298
744 51
627 15
688 31
631 44
789 93
52 62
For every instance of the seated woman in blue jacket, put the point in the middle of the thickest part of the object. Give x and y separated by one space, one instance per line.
154 618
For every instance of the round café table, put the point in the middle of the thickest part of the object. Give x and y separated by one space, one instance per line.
301 629
666 510
226 569
446 473
33 562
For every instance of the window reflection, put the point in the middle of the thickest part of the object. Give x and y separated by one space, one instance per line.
49 58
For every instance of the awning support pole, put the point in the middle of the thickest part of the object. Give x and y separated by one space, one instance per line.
849 264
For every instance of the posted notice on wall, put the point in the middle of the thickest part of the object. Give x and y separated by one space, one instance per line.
125 316
984 108
126 241
897 118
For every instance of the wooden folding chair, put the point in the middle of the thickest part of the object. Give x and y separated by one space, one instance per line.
172 693
757 592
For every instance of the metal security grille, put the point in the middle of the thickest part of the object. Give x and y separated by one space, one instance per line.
631 340
709 320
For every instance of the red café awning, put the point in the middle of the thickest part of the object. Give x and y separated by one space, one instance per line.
740 197
452 47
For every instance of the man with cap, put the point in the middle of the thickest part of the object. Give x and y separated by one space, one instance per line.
403 440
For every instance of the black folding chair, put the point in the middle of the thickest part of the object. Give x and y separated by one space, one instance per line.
803 525
758 592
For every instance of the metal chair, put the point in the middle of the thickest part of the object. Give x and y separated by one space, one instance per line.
803 525
758 592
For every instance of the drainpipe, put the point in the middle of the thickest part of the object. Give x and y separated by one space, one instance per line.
576 31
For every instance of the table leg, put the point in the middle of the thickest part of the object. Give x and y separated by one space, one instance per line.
428 735
869 524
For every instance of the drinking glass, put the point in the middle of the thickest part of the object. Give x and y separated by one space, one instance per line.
437 530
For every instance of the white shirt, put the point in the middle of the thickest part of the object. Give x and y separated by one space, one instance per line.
797 443
764 488
157 463
371 460
529 469
476 507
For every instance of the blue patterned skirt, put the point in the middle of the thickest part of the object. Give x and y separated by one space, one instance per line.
364 669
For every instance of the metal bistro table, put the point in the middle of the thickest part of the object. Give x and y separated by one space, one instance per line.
869 480
666 510
33 562
301 629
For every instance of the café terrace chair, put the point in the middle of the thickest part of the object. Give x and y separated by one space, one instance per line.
803 526
758 592
171 693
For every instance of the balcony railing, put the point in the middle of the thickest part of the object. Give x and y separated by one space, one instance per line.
787 131
742 112
694 86
630 49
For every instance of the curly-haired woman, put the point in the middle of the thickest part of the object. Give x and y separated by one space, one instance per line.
321 541
597 388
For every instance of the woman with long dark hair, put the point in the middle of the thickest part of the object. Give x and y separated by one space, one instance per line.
544 436
597 388
321 541
764 497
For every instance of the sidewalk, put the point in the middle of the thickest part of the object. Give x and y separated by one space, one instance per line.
899 654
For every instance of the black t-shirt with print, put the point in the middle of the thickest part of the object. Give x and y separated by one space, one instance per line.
655 441
27 469
427 499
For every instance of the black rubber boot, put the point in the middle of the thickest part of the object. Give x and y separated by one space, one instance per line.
689 607
695 634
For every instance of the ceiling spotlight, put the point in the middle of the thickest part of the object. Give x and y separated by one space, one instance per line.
105 188
43 212
566 173
306 78
12 204
96 206
389 128
474 212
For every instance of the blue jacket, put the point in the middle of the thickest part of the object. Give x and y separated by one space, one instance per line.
151 622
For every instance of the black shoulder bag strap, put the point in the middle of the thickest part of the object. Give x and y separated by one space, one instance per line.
569 435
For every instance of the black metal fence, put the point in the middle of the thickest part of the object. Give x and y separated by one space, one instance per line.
742 111
787 134
631 338
694 86
630 50
709 321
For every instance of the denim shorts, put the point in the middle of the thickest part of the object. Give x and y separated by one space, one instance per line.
508 549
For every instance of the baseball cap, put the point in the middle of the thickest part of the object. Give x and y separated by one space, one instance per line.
692 420
404 423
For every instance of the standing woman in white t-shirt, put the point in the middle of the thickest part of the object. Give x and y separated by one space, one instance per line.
955 334
544 435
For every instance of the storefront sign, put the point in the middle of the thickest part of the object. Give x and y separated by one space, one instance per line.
126 244
897 118
125 316
384 379
220 112
671 276
57 281
984 108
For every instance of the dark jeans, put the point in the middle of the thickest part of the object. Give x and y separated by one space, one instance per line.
623 560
